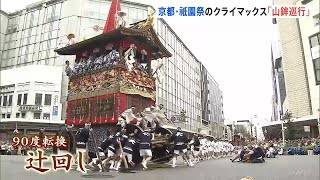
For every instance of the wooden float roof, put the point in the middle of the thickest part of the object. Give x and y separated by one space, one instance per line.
146 37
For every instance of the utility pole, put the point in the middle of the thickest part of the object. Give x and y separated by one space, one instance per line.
283 138
251 126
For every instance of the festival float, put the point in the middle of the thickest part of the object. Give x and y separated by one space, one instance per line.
112 72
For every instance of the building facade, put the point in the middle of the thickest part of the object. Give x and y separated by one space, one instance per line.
300 59
215 108
34 33
188 86
181 88
27 94
242 127
278 82
310 36
3 29
30 100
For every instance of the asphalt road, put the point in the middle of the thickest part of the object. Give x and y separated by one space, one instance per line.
280 168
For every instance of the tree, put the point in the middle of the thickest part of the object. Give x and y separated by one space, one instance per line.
272 133
290 132
287 116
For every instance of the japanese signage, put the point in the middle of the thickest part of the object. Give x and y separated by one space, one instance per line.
55 111
37 160
30 108
286 11
56 100
37 142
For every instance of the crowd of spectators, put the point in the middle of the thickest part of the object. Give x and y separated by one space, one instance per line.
6 148
303 142
299 146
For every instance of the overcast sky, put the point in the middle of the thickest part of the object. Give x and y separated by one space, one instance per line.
234 49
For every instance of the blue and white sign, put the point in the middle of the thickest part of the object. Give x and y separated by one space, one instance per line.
55 111
173 119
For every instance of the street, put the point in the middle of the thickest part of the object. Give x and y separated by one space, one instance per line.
280 168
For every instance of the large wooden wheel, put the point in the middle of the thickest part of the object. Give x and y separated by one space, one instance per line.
162 150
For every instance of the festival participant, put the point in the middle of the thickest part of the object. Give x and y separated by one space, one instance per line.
113 151
216 149
189 149
280 151
259 154
42 138
65 132
103 153
228 148
225 150
251 155
271 152
129 142
210 149
159 108
232 149
218 146
196 148
150 117
120 140
129 115
82 137
240 155
203 148
180 146
130 55
145 146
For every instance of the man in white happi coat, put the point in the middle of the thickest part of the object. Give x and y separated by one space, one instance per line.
129 116
161 117
216 150
210 149
129 55
219 149
203 148
150 117
120 22
225 149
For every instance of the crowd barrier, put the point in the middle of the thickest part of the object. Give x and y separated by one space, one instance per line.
316 150
302 151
